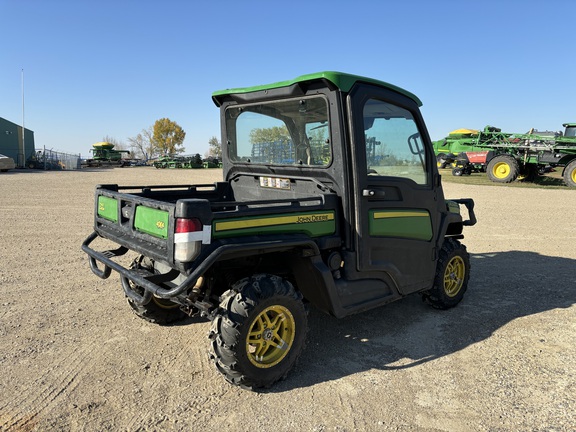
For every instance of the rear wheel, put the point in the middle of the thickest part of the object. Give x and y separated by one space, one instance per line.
570 174
452 274
258 332
157 310
503 169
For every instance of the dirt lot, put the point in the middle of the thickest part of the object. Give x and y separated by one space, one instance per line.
74 357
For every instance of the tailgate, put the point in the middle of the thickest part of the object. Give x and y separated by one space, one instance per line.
141 224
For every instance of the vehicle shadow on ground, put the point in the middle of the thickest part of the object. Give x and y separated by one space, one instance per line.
503 286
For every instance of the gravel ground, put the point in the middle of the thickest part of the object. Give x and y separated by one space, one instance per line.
74 357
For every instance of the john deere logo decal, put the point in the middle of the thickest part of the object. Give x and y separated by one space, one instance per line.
101 207
313 221
314 218
160 225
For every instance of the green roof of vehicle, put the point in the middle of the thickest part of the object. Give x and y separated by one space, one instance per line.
341 80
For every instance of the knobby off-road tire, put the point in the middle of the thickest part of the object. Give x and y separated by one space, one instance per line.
452 274
259 331
503 169
157 310
570 174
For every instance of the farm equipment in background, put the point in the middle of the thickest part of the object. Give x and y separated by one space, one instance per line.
44 160
105 154
508 156
186 162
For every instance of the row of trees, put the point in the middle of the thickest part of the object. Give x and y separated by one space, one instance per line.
165 137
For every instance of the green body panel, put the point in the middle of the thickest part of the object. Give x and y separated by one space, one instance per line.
405 223
454 146
108 208
341 80
151 221
314 224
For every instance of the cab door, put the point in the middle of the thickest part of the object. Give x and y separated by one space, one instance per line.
396 206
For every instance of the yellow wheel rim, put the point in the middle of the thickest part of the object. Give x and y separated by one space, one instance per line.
270 336
573 175
454 276
165 304
501 170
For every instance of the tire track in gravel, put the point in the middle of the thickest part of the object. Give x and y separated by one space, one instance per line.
168 368
24 410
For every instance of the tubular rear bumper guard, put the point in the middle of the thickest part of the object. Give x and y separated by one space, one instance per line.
151 282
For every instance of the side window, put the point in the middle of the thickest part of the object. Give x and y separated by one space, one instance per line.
393 143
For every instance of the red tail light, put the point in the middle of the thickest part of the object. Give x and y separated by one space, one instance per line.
187 225
187 239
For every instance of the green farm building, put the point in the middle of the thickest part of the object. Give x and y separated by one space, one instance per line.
11 143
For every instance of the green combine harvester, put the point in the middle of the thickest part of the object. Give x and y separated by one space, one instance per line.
508 156
105 154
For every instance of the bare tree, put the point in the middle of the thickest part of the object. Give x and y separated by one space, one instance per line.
142 144
118 145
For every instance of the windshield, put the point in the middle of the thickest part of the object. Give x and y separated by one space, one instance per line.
570 131
288 132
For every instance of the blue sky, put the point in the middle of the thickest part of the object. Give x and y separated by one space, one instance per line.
112 68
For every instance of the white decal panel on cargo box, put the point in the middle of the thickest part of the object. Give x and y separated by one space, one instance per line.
274 182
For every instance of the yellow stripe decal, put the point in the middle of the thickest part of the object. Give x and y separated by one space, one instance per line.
273 221
400 214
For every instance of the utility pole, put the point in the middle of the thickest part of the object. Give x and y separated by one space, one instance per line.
23 129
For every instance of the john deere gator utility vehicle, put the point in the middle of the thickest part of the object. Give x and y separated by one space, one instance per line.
330 198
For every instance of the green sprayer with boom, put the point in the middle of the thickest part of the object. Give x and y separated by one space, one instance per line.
506 156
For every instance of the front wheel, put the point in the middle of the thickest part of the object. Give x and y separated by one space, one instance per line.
258 332
452 274
570 174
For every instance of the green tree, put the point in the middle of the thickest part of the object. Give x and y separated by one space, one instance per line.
168 137
271 144
215 149
320 145
269 135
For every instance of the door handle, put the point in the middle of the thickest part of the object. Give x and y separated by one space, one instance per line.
372 193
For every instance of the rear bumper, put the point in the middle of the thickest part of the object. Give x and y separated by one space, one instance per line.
153 284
